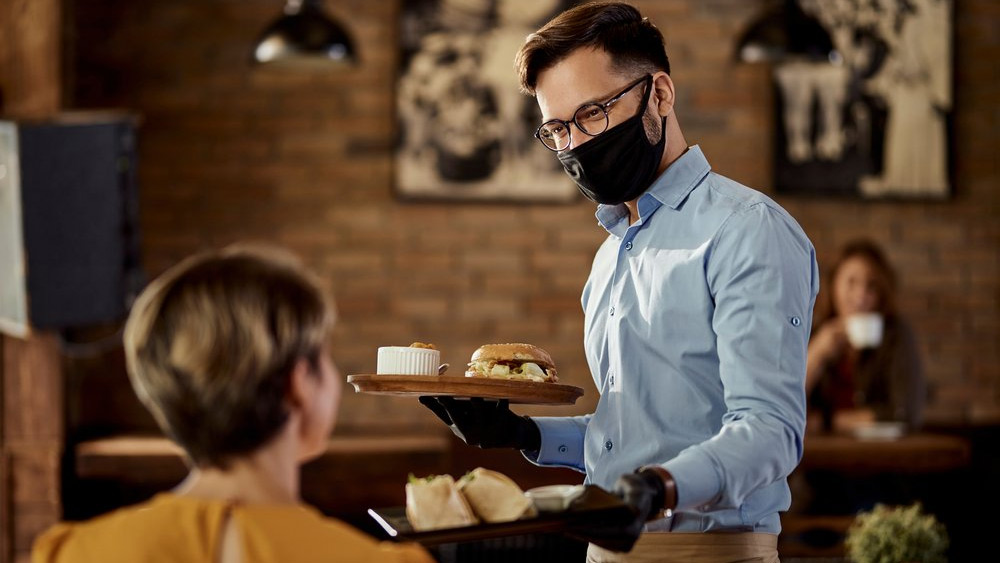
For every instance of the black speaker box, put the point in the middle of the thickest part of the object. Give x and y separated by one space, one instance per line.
69 236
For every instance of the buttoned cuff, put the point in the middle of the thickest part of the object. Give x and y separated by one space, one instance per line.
562 443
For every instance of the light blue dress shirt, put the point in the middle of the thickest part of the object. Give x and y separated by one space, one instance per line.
696 327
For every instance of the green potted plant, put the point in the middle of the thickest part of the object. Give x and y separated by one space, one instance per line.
896 535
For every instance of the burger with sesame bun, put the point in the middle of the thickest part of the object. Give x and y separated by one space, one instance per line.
517 361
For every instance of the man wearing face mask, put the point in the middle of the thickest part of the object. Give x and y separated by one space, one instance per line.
697 311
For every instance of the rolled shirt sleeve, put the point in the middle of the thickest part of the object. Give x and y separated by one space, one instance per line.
696 324
763 278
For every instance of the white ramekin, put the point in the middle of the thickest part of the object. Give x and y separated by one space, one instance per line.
403 360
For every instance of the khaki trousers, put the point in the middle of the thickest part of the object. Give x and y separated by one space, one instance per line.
679 547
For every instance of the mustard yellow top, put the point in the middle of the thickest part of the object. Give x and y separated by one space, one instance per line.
171 528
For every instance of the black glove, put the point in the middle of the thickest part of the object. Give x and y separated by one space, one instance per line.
644 493
485 423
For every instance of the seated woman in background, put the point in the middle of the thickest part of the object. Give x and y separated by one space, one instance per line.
863 363
228 350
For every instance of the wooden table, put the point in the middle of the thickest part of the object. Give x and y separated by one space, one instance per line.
909 454
912 455
355 473
120 455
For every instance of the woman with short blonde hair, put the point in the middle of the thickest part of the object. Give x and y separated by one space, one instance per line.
228 350
211 343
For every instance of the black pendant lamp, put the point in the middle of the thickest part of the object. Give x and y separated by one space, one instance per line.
304 36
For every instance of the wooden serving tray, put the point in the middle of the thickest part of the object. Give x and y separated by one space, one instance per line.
523 392
594 507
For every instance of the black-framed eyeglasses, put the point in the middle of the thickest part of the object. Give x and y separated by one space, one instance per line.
591 118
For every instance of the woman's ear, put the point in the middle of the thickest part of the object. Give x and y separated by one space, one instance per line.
663 88
301 384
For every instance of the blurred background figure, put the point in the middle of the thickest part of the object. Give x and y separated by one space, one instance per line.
465 129
863 363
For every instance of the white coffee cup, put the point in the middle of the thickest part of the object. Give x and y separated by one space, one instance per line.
864 330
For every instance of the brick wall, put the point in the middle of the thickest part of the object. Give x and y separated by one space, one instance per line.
228 153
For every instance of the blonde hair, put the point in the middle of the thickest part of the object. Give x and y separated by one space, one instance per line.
210 345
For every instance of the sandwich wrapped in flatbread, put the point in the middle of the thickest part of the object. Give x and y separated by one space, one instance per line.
435 502
494 497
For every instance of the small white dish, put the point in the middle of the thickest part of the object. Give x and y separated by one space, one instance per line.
554 498
880 431
406 360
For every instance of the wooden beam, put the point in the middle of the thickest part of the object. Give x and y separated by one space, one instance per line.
31 380
30 57
32 440
33 391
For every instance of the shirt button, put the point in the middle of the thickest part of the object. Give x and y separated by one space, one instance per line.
608 445
795 321
628 245
563 449
612 311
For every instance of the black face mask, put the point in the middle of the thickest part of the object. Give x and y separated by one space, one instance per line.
619 164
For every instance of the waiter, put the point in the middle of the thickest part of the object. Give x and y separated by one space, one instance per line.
697 310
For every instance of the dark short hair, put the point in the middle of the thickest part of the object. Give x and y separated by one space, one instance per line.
632 41
212 342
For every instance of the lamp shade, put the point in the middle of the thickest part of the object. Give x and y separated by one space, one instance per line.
304 36
785 32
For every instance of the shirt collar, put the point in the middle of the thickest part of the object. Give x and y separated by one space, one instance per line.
671 188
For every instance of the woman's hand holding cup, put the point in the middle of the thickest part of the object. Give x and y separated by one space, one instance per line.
864 330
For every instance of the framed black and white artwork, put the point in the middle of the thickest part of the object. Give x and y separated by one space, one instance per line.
465 129
874 120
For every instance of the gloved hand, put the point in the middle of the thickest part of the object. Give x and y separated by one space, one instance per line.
644 492
485 423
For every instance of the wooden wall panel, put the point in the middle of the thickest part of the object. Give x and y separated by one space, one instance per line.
33 436
30 57
31 383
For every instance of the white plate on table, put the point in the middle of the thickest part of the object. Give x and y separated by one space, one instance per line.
880 431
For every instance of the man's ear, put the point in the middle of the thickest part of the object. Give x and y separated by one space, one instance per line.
301 383
663 88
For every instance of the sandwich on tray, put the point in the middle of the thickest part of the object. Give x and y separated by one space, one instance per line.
482 495
513 361
435 502
495 497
